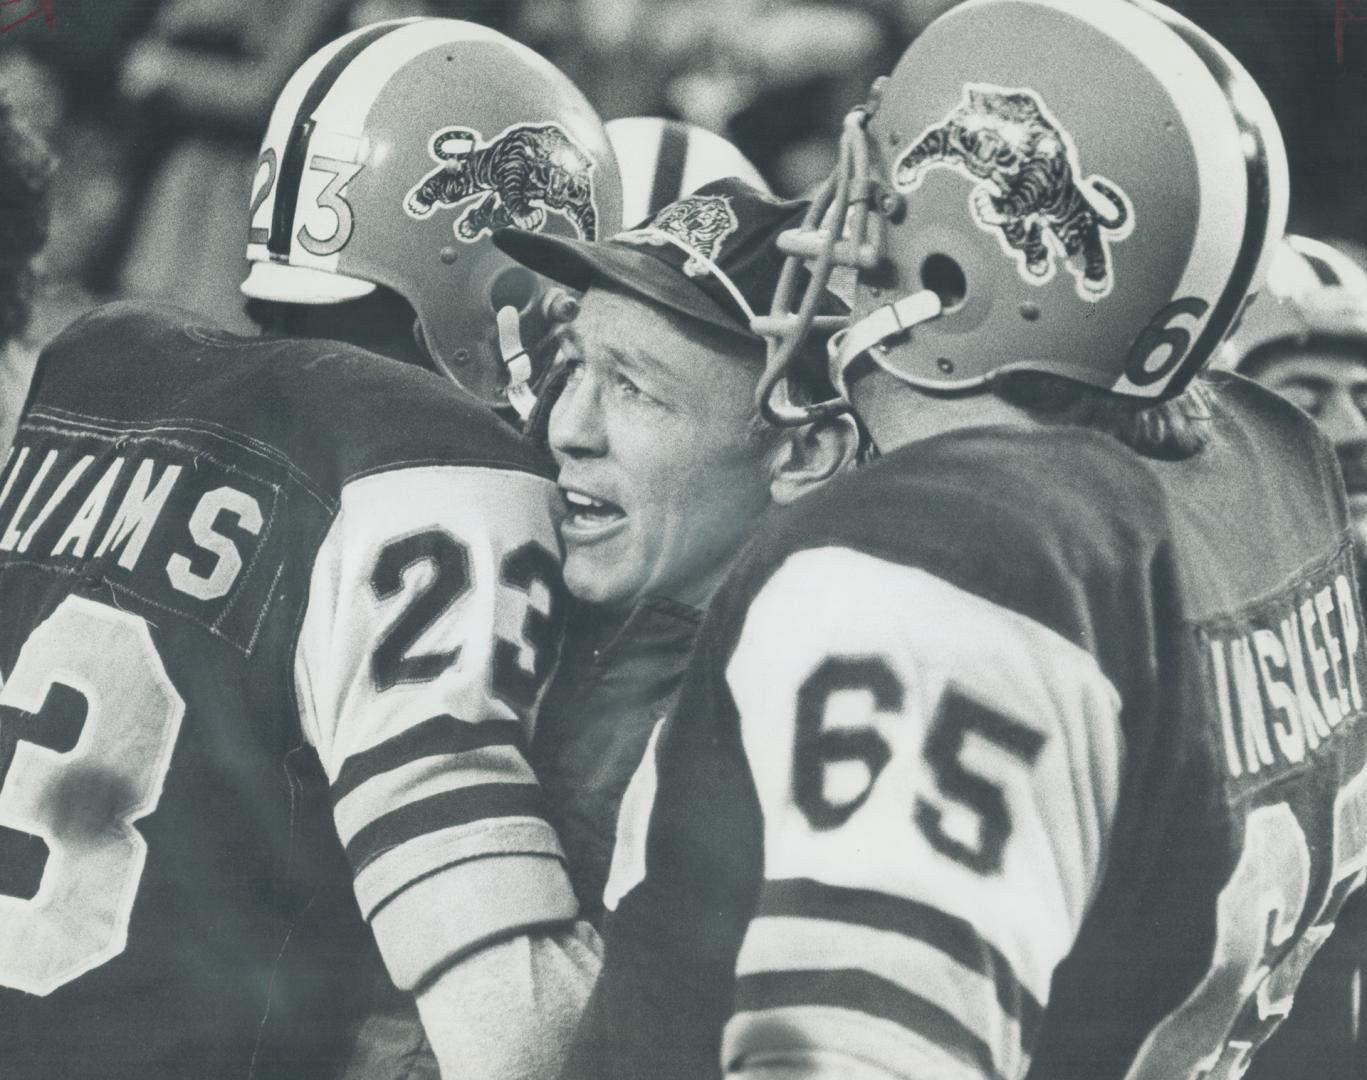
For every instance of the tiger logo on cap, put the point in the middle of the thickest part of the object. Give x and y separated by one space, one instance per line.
701 222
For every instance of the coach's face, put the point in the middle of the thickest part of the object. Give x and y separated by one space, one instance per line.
663 469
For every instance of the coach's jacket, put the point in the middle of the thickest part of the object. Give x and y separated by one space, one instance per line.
618 678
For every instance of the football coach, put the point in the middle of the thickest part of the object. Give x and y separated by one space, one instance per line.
664 468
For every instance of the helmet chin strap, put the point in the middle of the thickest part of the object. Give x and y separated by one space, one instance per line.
517 361
877 327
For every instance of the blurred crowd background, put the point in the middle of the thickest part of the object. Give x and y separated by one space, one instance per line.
156 107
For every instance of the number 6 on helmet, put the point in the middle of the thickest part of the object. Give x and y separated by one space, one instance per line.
1018 225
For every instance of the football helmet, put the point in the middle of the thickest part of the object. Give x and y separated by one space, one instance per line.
1314 295
392 155
664 160
1088 188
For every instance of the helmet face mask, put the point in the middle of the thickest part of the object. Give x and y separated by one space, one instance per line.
391 157
1086 188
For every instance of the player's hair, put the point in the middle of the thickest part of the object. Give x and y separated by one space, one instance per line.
25 173
1172 430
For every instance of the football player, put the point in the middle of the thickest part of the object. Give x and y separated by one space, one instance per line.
1305 336
1032 748
278 613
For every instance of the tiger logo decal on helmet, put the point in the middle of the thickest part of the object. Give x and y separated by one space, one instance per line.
1029 191
701 222
515 179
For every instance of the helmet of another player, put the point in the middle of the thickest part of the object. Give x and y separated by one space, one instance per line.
1305 336
392 155
1314 298
664 160
1086 188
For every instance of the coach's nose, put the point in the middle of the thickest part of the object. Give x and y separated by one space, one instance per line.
576 428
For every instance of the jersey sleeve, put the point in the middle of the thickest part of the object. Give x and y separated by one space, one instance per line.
432 622
938 775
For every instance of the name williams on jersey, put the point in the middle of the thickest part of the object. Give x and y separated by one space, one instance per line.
184 531
1286 673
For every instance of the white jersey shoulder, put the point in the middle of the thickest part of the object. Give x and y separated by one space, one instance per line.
938 775
431 626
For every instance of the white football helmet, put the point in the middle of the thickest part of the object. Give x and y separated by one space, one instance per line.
1314 295
1087 188
393 154
662 160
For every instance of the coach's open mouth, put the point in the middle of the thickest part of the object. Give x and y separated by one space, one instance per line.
587 517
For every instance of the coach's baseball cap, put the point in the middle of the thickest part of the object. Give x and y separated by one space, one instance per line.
711 255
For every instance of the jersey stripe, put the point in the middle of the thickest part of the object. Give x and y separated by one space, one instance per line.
776 945
439 735
868 994
426 777
460 807
395 870
954 937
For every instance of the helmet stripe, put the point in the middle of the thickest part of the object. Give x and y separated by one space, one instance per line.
1258 211
669 166
295 154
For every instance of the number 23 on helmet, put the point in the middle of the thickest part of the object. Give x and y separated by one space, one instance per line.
391 157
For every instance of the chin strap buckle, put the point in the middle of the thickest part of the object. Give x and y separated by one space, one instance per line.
878 326
515 358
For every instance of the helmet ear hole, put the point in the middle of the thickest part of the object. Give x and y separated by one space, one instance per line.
945 278
514 287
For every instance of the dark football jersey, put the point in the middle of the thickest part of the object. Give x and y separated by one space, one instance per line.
1013 754
274 616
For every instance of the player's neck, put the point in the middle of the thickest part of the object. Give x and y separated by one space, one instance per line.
898 414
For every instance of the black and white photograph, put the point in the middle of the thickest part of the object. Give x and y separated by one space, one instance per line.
683 539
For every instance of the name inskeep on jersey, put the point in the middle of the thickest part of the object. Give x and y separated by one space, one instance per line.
1084 813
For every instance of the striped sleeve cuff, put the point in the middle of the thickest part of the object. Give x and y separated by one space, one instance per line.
444 828
436 921
439 792
824 962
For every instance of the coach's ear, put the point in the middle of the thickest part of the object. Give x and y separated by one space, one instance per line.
806 457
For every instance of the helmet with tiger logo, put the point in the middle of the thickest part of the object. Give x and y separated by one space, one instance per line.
391 157
1085 188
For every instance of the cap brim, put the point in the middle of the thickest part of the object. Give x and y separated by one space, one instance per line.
302 285
579 263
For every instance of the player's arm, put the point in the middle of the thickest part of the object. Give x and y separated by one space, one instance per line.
938 776
432 622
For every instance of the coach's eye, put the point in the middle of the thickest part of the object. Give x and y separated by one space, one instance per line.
630 390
